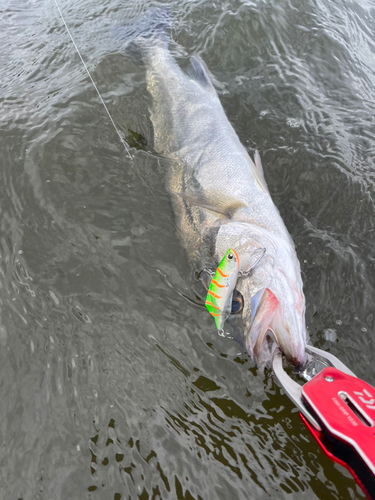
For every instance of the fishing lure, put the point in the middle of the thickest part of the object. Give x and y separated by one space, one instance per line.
220 292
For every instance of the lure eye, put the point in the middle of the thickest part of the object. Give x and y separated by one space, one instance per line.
237 303
230 256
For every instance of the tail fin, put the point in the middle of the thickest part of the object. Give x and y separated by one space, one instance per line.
145 31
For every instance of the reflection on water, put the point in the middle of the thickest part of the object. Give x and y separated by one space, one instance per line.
113 381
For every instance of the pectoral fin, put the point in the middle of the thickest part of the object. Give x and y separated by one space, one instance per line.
201 74
225 210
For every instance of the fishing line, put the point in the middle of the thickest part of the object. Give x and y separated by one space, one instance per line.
92 80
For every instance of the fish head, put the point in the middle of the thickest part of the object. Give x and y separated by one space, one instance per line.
268 310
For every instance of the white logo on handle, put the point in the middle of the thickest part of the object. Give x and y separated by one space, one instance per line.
367 402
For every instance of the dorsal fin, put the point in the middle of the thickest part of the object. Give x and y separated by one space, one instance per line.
259 174
201 73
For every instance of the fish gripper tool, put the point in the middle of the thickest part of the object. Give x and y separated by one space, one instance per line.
339 410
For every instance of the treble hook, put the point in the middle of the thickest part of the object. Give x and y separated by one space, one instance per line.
259 253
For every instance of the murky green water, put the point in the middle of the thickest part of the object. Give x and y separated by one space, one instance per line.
113 381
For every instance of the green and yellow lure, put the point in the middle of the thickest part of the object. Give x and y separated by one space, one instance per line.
220 291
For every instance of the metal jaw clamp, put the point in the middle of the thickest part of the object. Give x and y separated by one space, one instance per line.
339 410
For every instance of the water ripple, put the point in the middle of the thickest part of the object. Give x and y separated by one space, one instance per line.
114 383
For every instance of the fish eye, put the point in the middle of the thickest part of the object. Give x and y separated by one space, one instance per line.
230 256
237 303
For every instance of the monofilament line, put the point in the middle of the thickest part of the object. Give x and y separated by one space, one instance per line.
96 88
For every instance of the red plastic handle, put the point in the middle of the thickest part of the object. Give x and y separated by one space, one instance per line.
363 477
345 406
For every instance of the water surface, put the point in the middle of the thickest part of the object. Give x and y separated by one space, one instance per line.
113 381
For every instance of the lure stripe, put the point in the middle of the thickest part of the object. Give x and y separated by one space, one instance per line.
221 273
208 303
214 282
214 295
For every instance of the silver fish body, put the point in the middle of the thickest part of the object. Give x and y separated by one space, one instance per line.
220 201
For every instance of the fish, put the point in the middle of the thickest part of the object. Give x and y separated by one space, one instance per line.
221 201
220 291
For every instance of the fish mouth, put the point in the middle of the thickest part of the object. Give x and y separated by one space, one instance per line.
266 347
261 346
269 329
262 324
